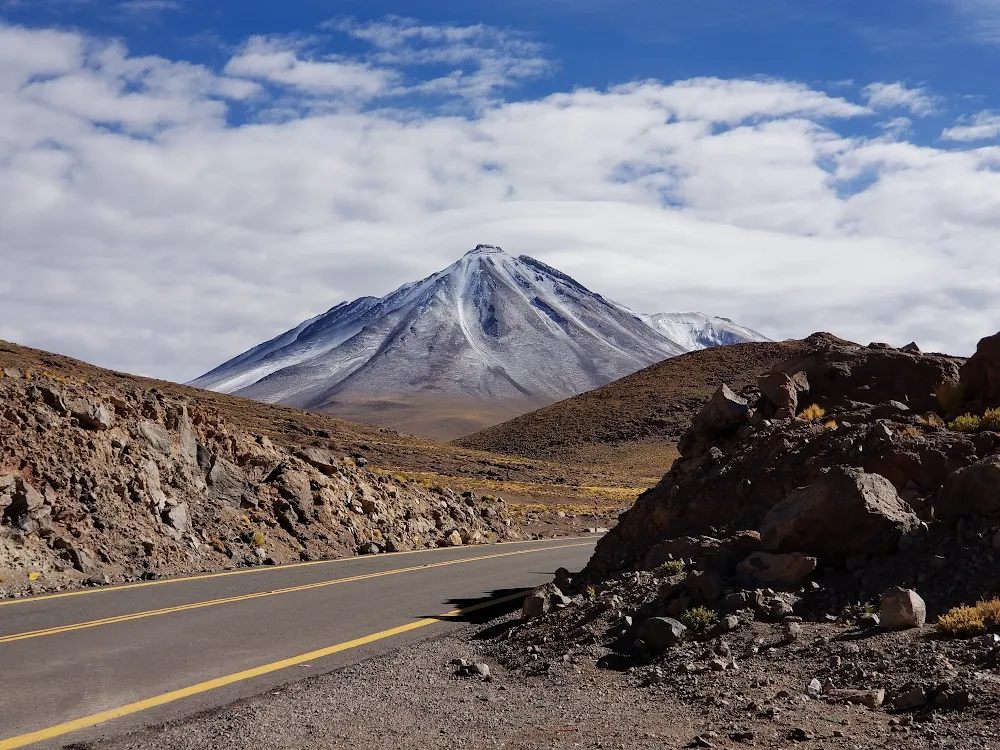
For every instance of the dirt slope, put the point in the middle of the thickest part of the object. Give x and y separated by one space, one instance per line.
647 409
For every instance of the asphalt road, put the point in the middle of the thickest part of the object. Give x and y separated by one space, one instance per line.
102 661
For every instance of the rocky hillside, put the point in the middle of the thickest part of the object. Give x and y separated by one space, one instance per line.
112 481
654 405
842 455
803 571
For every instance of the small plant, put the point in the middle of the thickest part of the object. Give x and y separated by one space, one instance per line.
966 423
698 619
965 621
830 424
591 592
259 540
669 568
949 396
488 535
990 421
811 412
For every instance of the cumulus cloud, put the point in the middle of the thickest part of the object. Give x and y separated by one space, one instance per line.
144 228
898 96
981 127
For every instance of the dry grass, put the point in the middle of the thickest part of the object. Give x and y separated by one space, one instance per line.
830 424
949 396
811 412
965 621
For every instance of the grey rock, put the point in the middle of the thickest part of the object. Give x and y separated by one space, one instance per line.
661 633
177 517
902 609
781 569
321 459
226 482
911 699
792 631
971 491
812 519
156 436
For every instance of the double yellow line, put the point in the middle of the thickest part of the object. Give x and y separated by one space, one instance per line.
92 720
85 722
259 595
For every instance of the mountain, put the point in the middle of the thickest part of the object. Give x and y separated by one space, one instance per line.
488 337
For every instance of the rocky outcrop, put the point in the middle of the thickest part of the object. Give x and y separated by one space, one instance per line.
866 478
980 376
97 480
846 512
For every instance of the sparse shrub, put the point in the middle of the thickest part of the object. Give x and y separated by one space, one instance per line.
259 540
811 412
488 535
830 424
990 421
965 621
591 592
377 534
669 568
949 397
912 431
698 619
966 423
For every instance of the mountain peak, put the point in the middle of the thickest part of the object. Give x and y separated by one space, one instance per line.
486 250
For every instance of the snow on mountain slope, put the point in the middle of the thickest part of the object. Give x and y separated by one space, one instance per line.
698 331
490 327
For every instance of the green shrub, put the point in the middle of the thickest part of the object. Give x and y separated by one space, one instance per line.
990 421
669 568
966 423
698 619
949 396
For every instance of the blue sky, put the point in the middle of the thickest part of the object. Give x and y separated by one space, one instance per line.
183 180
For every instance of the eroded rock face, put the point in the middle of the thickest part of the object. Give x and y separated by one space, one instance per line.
127 482
846 512
980 376
971 491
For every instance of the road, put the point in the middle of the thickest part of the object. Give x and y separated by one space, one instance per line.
79 665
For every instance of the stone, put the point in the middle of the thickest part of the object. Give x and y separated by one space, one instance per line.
902 609
911 699
812 519
718 665
973 490
454 539
781 392
705 585
92 415
541 600
867 621
226 482
711 553
98 579
815 688
177 517
782 569
321 459
661 633
724 411
792 631
156 436
869 698
726 624
369 548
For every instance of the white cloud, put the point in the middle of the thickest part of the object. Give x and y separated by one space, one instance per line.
981 127
278 61
898 96
142 230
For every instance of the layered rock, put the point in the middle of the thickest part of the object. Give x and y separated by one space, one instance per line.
133 483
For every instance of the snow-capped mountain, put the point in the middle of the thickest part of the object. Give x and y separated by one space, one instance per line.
698 331
490 327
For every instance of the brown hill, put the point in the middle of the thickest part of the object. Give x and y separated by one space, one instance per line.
632 424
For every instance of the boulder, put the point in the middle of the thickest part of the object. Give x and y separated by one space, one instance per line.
782 392
980 376
705 585
971 491
321 459
23 506
723 411
902 609
813 519
711 553
543 599
226 482
177 517
784 570
454 539
93 415
660 633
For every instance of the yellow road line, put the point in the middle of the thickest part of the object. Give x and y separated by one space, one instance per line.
202 687
260 595
267 569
